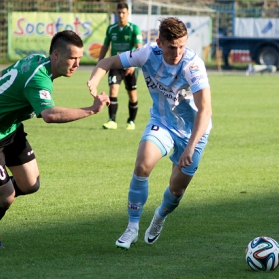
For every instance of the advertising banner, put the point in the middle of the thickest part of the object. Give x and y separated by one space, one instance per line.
257 27
31 32
199 29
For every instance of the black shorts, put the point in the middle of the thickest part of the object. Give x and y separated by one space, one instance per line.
116 76
15 150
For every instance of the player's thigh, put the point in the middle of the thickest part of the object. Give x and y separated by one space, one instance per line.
155 143
179 147
159 135
147 157
21 161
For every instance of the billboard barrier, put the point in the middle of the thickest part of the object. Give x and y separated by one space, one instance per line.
31 32
199 29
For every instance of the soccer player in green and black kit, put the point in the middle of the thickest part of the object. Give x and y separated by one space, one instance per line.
26 91
122 36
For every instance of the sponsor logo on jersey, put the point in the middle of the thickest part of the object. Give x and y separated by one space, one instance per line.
194 68
25 66
153 84
196 79
44 94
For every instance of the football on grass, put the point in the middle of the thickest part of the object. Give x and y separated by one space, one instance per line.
262 253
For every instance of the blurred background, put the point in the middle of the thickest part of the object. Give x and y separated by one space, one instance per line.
226 34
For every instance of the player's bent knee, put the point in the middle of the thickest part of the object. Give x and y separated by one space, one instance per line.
143 171
30 189
36 186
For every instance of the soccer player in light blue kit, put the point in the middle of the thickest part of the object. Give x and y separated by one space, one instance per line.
180 118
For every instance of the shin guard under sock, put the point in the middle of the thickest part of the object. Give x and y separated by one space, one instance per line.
169 203
137 197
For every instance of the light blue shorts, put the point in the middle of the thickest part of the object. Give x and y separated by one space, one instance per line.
167 140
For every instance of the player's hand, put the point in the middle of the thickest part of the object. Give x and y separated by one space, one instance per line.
92 88
186 158
129 71
100 101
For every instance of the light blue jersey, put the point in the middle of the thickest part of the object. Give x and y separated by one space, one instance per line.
170 86
171 124
173 111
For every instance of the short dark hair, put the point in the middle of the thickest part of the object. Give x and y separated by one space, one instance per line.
172 28
122 5
64 38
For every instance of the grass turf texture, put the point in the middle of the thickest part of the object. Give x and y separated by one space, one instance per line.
68 229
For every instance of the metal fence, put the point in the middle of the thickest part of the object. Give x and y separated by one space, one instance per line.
222 15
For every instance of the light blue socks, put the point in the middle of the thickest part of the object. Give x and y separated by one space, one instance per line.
137 197
169 203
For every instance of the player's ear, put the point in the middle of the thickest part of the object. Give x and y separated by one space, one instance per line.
55 53
159 44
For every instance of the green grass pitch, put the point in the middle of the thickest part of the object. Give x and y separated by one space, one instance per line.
69 227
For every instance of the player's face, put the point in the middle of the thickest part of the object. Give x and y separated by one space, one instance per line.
66 62
122 15
172 50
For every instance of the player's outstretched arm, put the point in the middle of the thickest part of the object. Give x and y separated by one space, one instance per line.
100 71
63 115
103 52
